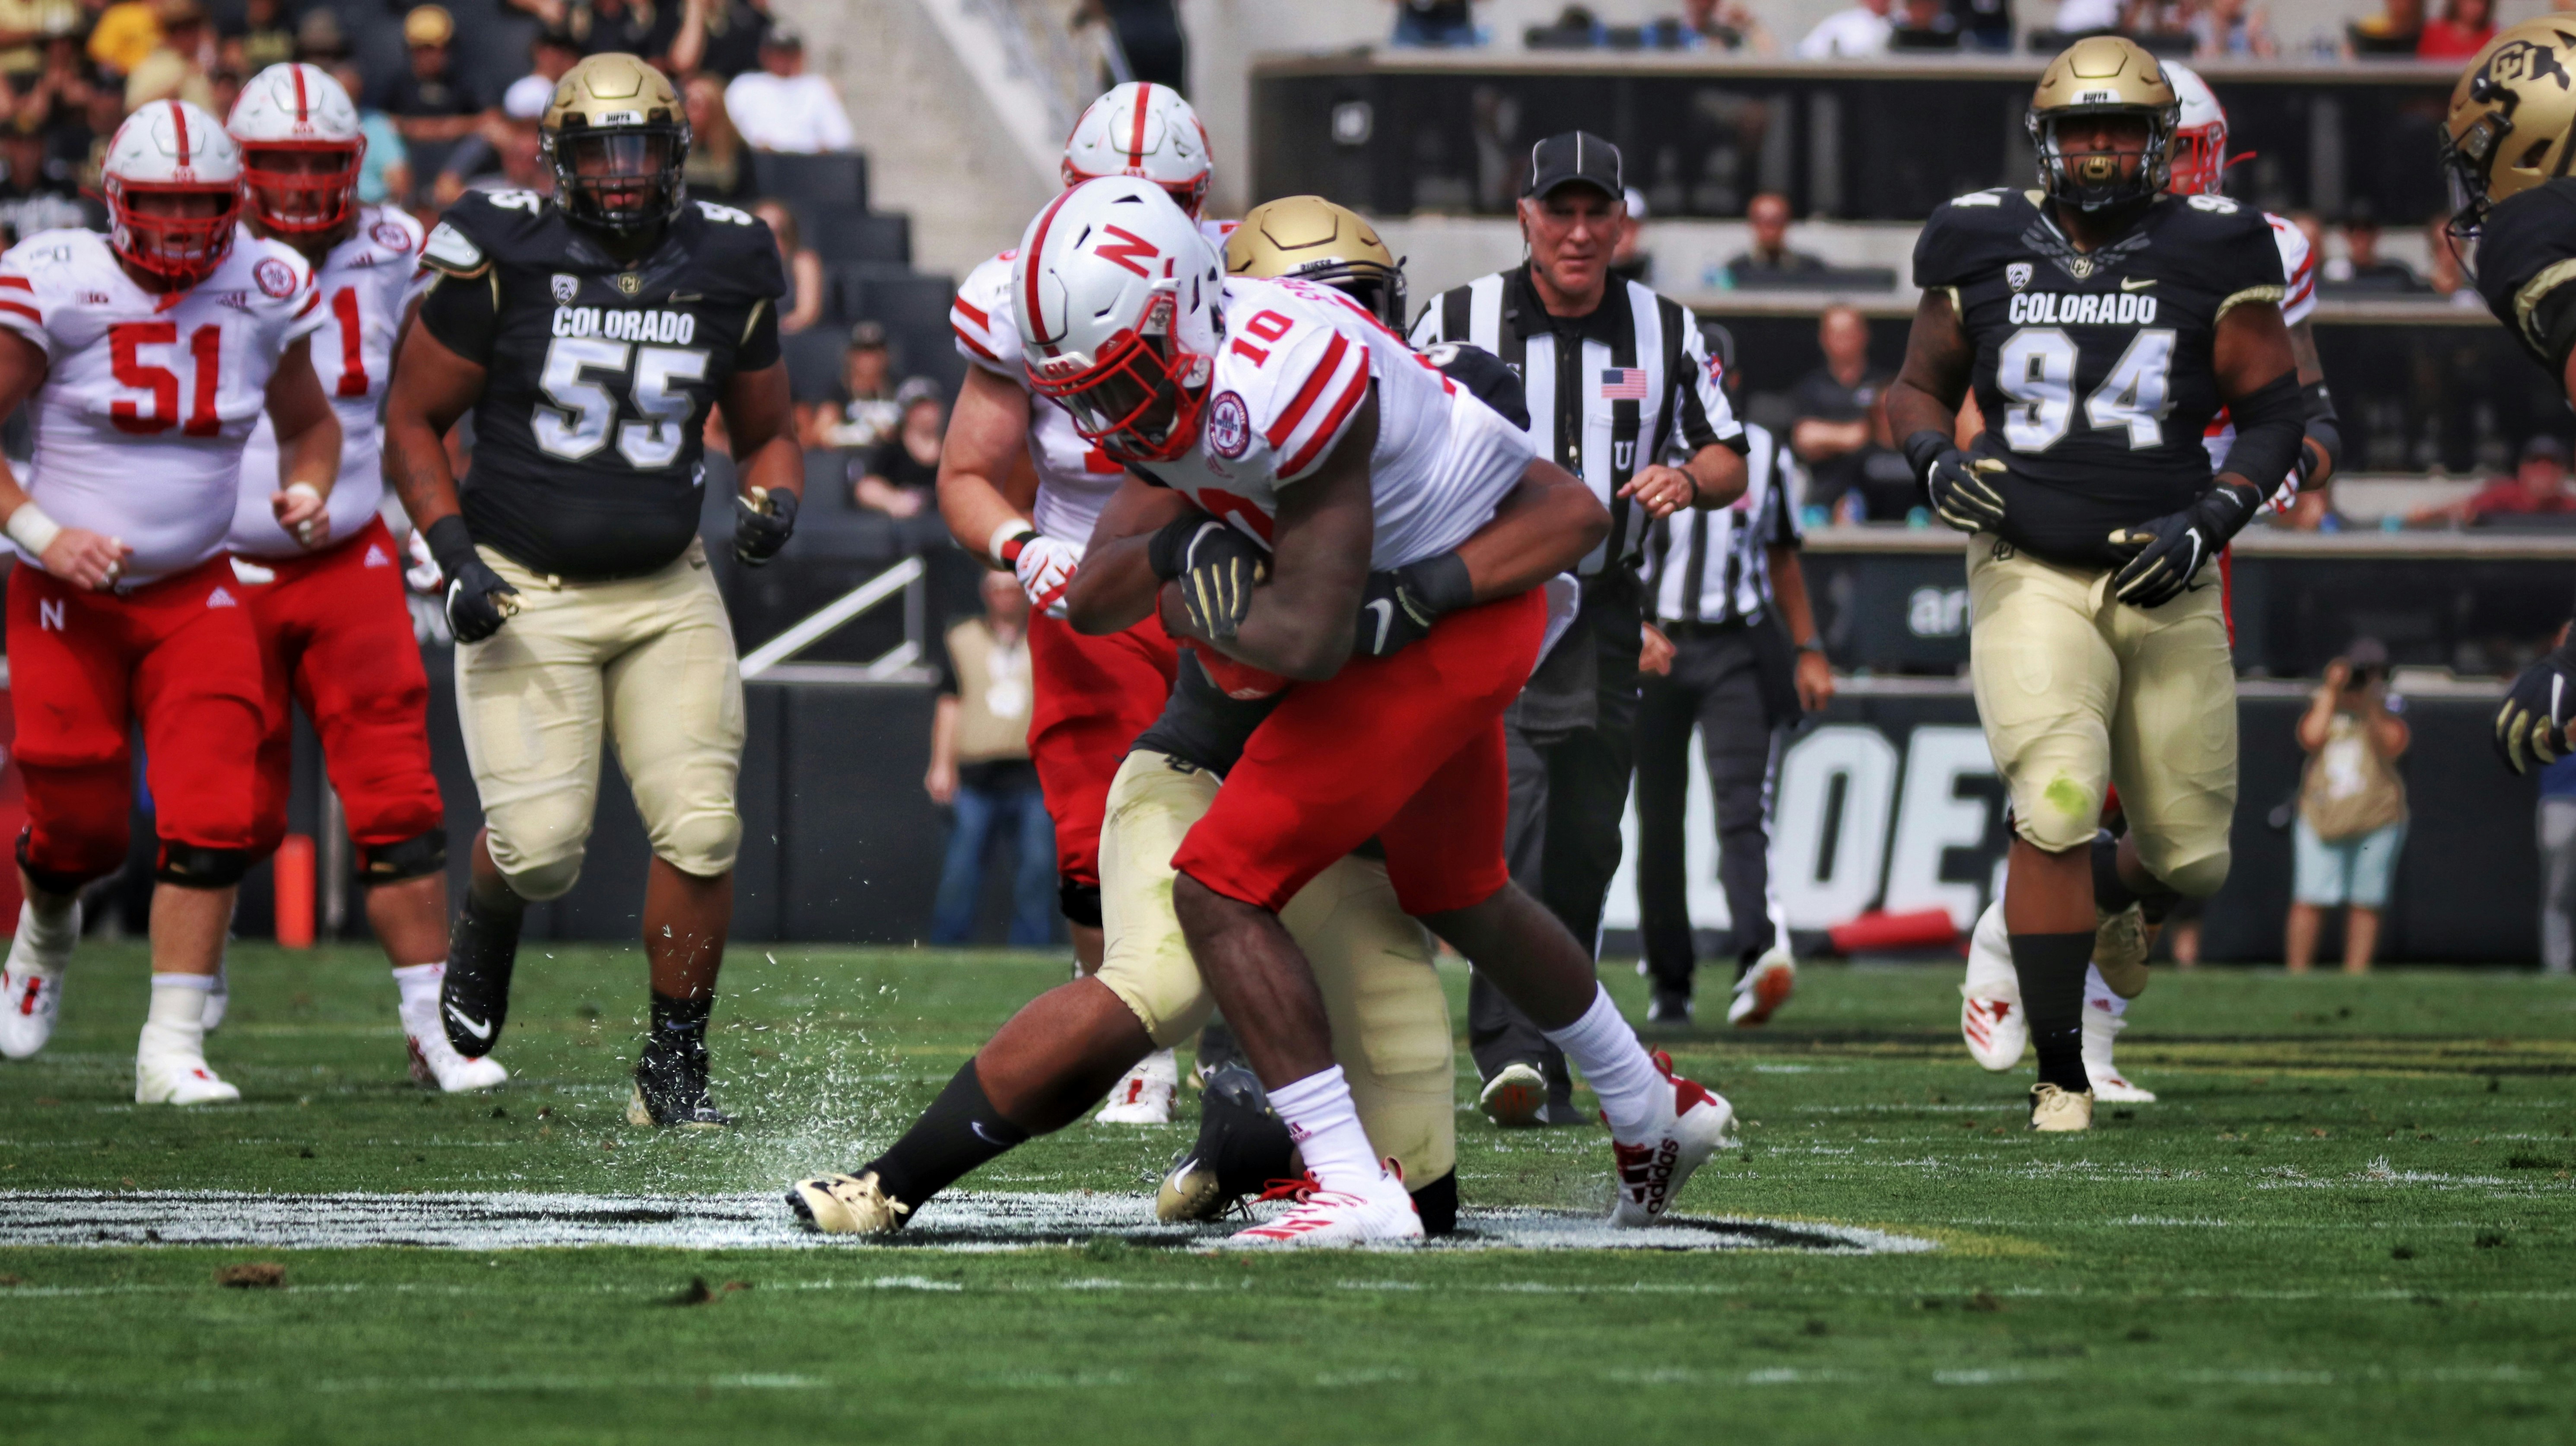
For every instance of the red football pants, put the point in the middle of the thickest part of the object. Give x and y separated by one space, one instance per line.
1094 695
336 637
181 656
1407 749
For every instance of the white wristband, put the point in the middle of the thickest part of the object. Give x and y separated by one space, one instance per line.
31 529
307 488
1003 534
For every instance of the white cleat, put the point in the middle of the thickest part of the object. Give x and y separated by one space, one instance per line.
1332 1219
179 1079
2055 1111
2101 1027
1144 1094
846 1205
31 983
436 1064
219 999
1651 1172
1515 1098
1764 988
1990 1017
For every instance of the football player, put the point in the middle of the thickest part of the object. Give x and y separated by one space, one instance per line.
2101 323
1020 487
590 334
2506 148
333 623
1989 1012
145 357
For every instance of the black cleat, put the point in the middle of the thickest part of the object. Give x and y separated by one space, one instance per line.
671 1088
1242 1147
474 998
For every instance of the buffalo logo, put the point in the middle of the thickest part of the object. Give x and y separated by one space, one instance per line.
1229 426
275 277
2520 60
389 236
630 282
566 288
2017 275
2080 268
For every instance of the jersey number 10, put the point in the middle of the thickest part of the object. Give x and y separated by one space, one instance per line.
206 358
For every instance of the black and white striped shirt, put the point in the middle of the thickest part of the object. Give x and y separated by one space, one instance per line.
1715 566
1629 382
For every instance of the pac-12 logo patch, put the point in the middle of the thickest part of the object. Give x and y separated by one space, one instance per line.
275 277
1229 426
566 288
2017 275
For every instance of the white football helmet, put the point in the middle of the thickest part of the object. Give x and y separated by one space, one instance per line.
1143 130
172 179
301 147
1117 294
2200 137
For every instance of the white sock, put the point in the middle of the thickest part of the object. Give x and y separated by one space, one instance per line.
1617 1067
49 926
2098 995
419 985
1326 1126
176 1024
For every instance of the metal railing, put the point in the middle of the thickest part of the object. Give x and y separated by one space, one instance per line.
902 663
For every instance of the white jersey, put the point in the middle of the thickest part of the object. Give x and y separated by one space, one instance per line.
149 396
1075 478
362 284
2297 302
1295 365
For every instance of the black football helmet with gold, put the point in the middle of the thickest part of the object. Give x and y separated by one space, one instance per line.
2103 75
616 135
1311 239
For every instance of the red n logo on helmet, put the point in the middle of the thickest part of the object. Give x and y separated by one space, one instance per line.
1126 250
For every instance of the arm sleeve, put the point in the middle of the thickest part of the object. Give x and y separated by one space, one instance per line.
1706 419
463 312
760 346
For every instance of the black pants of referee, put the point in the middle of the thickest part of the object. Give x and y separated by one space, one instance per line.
1716 686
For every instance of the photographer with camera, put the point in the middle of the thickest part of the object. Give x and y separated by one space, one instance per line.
2352 806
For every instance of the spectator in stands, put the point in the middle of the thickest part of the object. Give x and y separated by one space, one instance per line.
1436 22
432 105
177 66
863 412
507 152
34 196
126 32
902 474
2556 826
552 53
1713 25
26 27
2537 488
807 291
715 169
2087 17
2232 30
319 40
2464 28
1630 260
257 39
1857 33
2352 807
1986 25
384 172
2395 31
1923 25
2361 267
734 29
58 95
1768 219
1832 433
781 108
979 767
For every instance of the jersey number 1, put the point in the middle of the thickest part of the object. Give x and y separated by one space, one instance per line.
206 355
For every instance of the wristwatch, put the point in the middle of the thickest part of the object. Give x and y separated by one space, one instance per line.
1811 645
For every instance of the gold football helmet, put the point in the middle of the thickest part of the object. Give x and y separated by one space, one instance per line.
1312 239
2103 76
2510 114
617 136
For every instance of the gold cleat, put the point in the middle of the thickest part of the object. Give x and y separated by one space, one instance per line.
2057 1111
846 1205
2121 942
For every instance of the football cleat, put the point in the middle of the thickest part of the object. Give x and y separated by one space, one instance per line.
31 983
1651 1172
846 1205
1242 1146
2101 1027
1514 1098
1763 989
1330 1219
1217 1048
671 1089
436 1064
2055 1111
2120 945
1143 1096
1990 1017
178 1079
219 999
1668 1007
474 997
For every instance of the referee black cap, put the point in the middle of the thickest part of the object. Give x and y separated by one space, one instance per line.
1574 158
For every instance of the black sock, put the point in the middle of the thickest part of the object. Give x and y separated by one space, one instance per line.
680 1023
2051 968
959 1131
2110 894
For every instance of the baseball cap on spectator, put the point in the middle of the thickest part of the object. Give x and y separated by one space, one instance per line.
318 36
428 25
916 390
2546 446
1574 158
782 37
868 336
526 98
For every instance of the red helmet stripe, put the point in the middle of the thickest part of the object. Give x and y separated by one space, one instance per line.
179 119
1136 147
1036 310
303 106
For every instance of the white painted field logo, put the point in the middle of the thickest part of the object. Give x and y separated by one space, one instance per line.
1229 426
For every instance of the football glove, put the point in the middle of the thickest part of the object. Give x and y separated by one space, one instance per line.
1217 568
1398 608
477 601
1961 489
2166 553
2531 727
1045 566
762 523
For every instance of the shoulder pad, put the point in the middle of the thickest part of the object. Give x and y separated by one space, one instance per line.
1991 196
2217 205
449 251
726 215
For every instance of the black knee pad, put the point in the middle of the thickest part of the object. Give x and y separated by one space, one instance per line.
1080 902
52 881
192 867
417 857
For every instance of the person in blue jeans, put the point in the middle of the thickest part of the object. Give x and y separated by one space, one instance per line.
2352 807
980 769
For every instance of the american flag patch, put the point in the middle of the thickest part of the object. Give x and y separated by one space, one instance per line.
1623 384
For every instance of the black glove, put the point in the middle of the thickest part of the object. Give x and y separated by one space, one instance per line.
1217 568
1960 488
1398 608
2165 553
2532 724
762 523
478 601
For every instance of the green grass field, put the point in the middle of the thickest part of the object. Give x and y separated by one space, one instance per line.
2350 1218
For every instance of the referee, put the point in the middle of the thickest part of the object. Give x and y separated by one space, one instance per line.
1617 377
1726 588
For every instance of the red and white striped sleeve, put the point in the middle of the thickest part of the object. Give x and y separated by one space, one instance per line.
21 310
982 321
2298 268
1316 384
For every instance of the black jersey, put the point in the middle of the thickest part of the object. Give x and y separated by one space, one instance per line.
2094 369
589 435
2526 258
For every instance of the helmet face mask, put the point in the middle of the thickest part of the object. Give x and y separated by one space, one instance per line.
302 188
616 135
1139 400
172 181
1117 303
